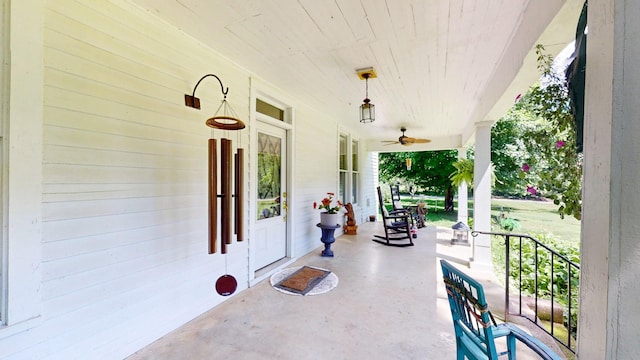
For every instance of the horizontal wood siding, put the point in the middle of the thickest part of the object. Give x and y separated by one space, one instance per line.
124 232
368 182
316 173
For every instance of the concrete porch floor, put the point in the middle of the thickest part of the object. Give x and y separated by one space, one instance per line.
390 303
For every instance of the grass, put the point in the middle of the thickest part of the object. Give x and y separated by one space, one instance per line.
534 216
538 217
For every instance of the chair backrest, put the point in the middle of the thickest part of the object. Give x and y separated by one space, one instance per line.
471 317
395 193
383 209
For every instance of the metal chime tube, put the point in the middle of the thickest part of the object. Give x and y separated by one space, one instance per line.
239 190
225 188
213 196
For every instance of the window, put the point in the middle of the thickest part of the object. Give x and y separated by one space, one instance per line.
354 171
348 169
269 110
344 169
269 176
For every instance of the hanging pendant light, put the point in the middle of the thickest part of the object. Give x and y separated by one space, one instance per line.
367 109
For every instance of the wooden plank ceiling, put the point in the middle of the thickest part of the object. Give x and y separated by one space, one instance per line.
441 64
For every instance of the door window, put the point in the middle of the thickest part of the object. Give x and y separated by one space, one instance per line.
269 176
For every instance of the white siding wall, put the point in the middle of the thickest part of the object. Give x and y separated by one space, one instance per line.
316 173
124 192
369 183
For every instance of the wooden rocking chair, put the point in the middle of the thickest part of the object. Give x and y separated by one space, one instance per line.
396 226
417 213
475 328
398 208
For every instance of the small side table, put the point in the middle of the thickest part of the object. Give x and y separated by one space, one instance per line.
327 238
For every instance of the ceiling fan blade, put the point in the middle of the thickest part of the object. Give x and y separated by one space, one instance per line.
405 140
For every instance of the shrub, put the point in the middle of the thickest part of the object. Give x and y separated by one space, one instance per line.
509 224
506 223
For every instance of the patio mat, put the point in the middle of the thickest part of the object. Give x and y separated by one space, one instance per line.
304 280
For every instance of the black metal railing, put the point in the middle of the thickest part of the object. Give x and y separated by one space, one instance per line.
548 276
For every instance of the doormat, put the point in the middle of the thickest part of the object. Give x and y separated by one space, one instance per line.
304 280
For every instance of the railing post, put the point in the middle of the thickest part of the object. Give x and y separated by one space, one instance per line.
552 281
520 276
536 280
506 278
569 307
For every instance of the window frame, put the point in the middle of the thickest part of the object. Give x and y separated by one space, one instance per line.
348 172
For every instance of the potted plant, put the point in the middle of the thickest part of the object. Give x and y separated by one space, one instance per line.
331 215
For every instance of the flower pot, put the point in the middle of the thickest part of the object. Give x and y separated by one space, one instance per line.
327 219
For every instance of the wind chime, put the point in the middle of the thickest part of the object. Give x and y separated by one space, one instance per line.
224 119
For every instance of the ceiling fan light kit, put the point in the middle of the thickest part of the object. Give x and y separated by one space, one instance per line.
367 109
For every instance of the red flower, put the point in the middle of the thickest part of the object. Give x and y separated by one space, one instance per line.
525 167
559 144
326 204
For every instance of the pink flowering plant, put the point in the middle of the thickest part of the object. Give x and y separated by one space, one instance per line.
553 167
326 204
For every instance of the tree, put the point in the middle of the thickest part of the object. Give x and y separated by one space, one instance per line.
429 172
508 149
534 145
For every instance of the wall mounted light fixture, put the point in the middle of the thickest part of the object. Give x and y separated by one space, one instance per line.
367 109
228 120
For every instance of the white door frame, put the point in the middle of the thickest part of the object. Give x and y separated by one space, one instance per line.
286 125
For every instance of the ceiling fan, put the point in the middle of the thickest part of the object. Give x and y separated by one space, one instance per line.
405 140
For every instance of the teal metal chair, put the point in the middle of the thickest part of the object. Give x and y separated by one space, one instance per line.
475 328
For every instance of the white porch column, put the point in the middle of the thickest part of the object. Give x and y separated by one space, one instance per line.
482 196
21 142
610 246
463 199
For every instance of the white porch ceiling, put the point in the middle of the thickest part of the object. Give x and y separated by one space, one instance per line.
442 65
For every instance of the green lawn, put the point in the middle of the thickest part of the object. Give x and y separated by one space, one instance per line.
538 216
533 216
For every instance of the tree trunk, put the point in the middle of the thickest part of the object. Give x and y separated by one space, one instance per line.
448 200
